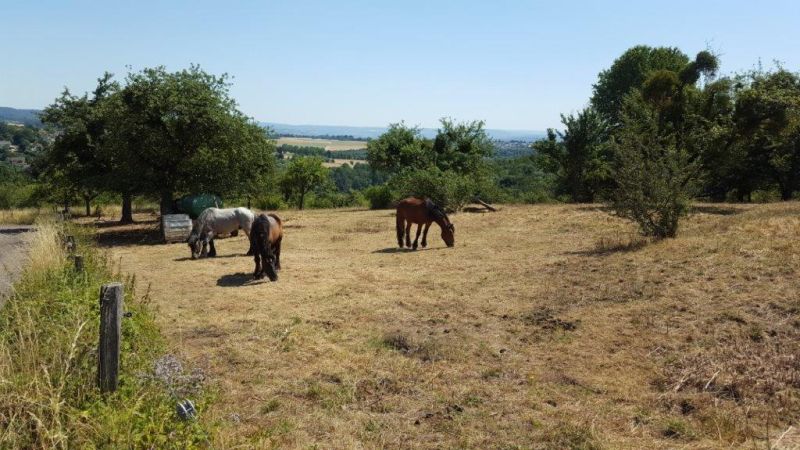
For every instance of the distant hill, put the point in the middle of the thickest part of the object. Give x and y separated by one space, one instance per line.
333 131
26 116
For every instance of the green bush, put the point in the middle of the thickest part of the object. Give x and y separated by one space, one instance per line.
270 202
331 199
446 188
379 197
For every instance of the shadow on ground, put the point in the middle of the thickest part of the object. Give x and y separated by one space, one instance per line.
15 230
406 250
239 279
716 210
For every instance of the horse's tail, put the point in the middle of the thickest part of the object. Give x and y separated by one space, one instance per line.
400 224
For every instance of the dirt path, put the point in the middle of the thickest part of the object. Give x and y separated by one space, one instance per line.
13 244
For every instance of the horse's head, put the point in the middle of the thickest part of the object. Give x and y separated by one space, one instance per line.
448 234
195 245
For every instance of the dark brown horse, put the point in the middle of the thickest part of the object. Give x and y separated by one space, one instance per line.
266 235
422 212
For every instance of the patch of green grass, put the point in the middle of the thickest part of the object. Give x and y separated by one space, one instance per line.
48 361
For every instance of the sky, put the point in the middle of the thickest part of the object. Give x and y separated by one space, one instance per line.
513 64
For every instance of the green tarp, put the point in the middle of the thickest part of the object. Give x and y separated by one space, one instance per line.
193 205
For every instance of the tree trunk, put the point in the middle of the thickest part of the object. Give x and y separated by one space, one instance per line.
127 208
88 204
166 202
302 199
248 202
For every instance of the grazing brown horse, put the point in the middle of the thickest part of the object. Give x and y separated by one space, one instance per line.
419 211
266 235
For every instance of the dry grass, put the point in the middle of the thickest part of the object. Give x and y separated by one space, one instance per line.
22 216
545 327
327 144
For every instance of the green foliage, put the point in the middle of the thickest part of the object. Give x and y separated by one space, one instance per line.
578 158
399 148
303 174
448 189
767 124
270 202
521 180
656 178
379 197
461 147
356 177
628 72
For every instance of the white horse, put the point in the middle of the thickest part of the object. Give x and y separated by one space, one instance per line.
213 222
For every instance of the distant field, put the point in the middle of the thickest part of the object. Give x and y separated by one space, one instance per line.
341 162
548 326
327 144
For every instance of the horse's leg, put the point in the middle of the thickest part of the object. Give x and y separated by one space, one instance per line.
213 251
400 225
278 253
204 252
408 233
416 239
250 251
257 273
425 234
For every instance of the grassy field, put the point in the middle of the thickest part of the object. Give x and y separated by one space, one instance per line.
546 326
327 144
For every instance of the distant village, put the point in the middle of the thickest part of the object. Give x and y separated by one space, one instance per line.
20 144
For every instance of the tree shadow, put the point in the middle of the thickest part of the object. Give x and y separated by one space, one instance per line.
239 280
189 258
603 249
15 230
716 210
406 250
475 210
129 236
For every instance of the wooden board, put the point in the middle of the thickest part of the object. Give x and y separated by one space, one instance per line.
176 227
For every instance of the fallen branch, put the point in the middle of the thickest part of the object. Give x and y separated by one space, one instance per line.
485 205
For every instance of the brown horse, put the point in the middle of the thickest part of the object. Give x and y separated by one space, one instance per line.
419 211
266 235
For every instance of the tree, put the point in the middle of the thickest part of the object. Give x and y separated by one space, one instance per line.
303 174
184 133
77 161
629 72
767 123
656 178
400 147
579 156
461 147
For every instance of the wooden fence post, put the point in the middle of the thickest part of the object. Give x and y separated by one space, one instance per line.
110 335
78 263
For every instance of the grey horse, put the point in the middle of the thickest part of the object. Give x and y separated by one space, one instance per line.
213 222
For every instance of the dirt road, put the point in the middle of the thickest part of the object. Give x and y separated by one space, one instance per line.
13 244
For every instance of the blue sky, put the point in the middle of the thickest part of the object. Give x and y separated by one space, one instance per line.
514 64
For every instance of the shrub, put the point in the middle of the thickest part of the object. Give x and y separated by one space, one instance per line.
655 177
379 197
446 188
270 202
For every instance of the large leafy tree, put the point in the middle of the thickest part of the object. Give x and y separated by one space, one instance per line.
185 134
78 163
400 147
629 72
767 124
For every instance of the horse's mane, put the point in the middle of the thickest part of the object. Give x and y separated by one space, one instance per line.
436 211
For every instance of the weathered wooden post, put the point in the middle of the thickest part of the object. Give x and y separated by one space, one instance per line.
110 336
78 263
70 243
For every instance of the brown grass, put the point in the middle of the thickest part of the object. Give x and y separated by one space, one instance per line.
327 144
545 327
